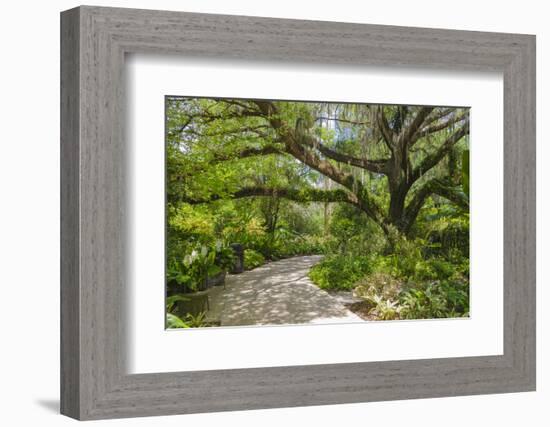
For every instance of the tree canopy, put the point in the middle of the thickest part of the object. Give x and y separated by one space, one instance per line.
384 160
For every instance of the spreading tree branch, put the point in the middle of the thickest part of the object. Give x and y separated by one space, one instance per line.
406 135
374 165
339 119
295 146
438 114
441 187
433 159
223 157
385 130
298 195
436 127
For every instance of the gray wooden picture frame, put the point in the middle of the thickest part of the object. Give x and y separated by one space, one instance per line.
94 382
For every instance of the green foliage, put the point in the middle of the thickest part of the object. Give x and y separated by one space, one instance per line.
283 243
381 291
193 223
353 232
225 257
248 231
466 172
385 309
435 300
252 259
190 321
404 259
378 283
389 298
174 322
449 236
189 271
340 272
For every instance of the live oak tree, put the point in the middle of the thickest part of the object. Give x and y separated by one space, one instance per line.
387 161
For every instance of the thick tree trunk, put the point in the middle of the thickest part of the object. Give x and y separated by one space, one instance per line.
396 212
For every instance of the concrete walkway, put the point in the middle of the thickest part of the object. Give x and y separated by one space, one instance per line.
276 293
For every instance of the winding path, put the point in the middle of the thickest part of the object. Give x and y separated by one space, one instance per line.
276 293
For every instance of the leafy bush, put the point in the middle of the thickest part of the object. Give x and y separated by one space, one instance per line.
448 235
403 260
293 246
192 223
225 257
390 299
424 302
214 270
285 243
378 283
188 272
434 269
381 292
340 272
252 259
247 231
408 263
457 293
446 230
436 290
446 298
385 309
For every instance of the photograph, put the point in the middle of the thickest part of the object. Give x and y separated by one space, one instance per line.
283 212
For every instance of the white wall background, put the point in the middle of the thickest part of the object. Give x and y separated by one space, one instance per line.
29 213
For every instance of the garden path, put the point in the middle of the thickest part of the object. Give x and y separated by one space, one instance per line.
279 292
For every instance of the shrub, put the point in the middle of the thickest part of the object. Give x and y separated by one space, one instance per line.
188 272
408 264
445 298
340 272
447 234
252 259
385 309
248 231
380 292
354 232
387 298
382 284
225 257
285 244
403 260
434 269
423 303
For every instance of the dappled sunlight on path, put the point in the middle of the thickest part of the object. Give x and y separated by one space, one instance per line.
276 293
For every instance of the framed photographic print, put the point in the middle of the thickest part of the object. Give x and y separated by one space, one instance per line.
275 213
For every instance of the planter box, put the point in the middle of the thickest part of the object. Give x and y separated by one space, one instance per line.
197 303
217 280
